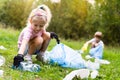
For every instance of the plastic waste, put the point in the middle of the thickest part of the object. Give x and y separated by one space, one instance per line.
1 73
81 73
65 57
88 57
94 74
71 75
101 61
2 60
30 67
2 48
92 65
26 66
46 57
80 51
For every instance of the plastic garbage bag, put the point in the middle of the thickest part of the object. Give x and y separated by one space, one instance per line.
92 65
71 75
65 57
80 51
81 73
94 74
101 61
26 66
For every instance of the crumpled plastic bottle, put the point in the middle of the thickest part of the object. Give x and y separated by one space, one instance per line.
25 66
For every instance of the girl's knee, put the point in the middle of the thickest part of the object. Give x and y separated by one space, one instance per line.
38 40
46 36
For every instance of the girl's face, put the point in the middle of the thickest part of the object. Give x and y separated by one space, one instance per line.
37 24
97 39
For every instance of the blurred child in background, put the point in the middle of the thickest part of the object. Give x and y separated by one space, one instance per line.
97 46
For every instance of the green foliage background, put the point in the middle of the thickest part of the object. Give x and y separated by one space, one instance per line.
72 19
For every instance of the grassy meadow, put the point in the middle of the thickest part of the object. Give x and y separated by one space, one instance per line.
8 38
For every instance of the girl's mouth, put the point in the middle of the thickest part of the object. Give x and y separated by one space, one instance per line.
36 31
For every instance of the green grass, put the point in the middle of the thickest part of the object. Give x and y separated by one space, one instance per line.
8 38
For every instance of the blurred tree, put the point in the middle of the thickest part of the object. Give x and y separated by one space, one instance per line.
110 11
68 18
15 12
72 19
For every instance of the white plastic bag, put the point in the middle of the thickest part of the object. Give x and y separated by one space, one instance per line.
81 73
88 57
2 48
94 74
92 65
101 61
2 60
1 73
65 57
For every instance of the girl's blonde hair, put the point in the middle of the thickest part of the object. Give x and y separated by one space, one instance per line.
41 10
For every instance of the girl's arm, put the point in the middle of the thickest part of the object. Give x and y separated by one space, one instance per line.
85 46
90 41
19 58
23 46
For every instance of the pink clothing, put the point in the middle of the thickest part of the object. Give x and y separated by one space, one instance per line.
28 33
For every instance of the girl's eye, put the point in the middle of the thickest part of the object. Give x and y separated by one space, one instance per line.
41 26
36 25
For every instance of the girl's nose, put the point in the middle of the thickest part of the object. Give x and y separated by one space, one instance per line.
38 28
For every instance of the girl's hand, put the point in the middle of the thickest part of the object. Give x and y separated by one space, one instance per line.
84 48
94 44
17 60
54 35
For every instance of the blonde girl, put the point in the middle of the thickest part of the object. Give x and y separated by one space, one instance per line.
34 38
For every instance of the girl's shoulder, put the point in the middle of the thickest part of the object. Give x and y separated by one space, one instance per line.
101 42
27 29
91 40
